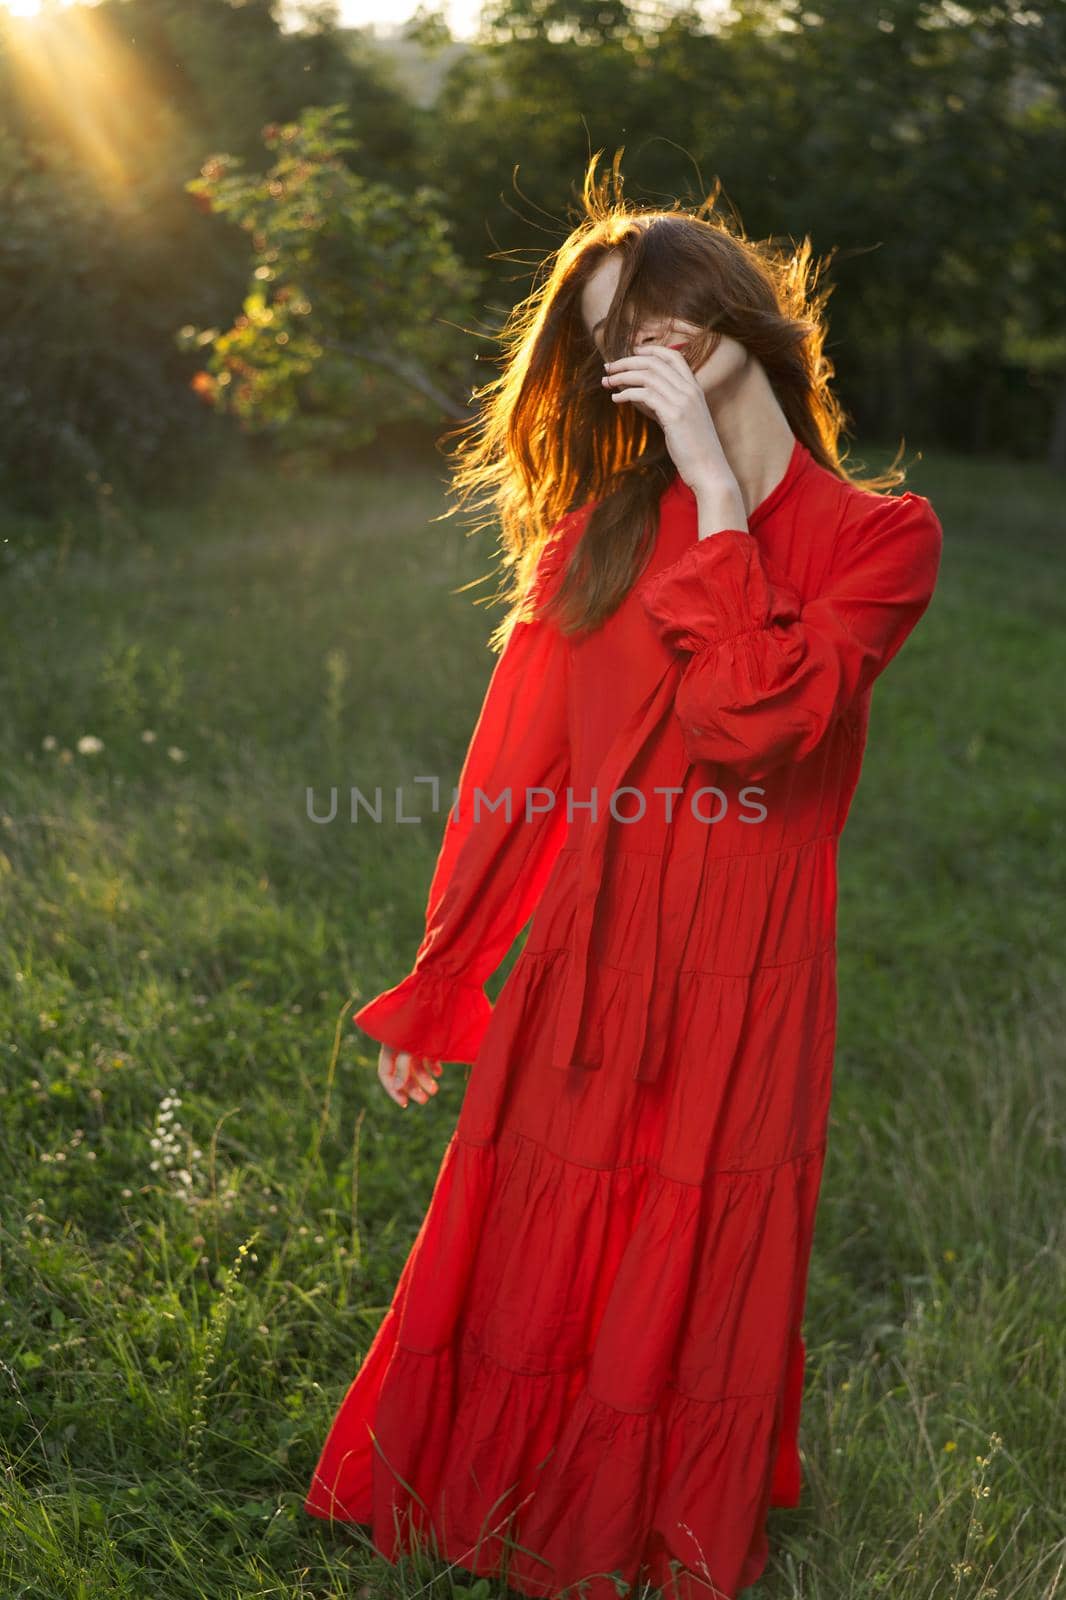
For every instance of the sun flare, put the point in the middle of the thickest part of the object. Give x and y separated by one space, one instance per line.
30 10
74 69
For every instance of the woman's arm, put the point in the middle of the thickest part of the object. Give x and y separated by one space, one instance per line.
768 673
496 853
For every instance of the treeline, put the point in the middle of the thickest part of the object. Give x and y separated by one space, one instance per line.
215 228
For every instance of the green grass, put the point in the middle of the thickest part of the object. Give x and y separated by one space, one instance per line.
174 1348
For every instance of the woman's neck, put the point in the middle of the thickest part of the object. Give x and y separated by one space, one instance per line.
754 431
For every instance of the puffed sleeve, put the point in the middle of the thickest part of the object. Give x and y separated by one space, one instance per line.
768 673
501 838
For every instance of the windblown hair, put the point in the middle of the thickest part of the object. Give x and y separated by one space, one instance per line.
548 439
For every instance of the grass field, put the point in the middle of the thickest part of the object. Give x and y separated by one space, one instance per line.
207 1196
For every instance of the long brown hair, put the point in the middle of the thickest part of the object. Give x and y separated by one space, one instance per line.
548 439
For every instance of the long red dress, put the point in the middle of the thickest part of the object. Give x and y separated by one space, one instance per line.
594 1351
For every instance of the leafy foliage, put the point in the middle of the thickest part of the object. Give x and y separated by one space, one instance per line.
355 290
919 141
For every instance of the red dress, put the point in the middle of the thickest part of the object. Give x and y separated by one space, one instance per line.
594 1350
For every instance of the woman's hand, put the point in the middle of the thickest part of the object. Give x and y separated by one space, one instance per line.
661 382
403 1074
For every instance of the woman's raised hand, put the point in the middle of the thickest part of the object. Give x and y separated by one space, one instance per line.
404 1075
660 382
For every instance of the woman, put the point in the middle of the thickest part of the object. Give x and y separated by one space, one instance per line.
593 1362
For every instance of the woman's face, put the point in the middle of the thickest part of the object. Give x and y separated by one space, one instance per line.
716 374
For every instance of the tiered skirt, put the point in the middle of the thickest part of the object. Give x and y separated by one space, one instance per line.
593 1362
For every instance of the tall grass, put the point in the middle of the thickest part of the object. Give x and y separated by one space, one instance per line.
206 1196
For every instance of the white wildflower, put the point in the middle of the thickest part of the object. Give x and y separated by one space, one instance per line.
179 1159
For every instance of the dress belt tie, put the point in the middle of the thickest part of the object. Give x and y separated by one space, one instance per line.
627 746
661 1003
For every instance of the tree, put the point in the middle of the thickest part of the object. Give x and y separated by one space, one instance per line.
355 292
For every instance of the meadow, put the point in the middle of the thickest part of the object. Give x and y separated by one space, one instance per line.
205 1194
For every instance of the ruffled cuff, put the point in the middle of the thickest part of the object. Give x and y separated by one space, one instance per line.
430 1015
716 590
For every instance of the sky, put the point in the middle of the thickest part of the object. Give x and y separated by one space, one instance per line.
461 15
